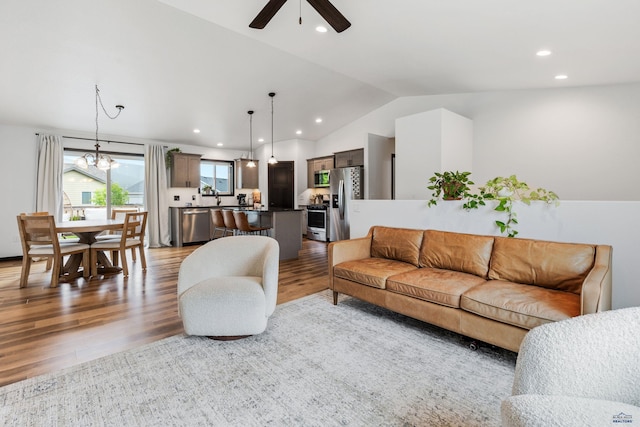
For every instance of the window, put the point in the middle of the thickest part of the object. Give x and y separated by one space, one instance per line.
218 174
86 197
85 190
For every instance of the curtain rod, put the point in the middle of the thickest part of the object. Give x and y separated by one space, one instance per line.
101 140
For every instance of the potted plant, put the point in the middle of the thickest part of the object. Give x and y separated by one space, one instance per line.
207 189
168 159
506 190
453 186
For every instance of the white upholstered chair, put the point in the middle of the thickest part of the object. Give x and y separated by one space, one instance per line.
228 287
583 371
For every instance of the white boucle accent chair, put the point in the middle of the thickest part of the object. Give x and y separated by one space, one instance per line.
583 371
228 287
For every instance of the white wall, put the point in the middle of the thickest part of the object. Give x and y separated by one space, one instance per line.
581 142
18 177
606 223
428 142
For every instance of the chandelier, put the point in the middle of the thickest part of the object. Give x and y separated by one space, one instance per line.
100 160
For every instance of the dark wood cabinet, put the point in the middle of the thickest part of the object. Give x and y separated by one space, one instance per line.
246 177
185 170
345 159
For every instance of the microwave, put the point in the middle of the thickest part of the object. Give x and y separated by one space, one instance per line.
321 178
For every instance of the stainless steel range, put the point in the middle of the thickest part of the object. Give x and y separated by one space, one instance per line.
318 222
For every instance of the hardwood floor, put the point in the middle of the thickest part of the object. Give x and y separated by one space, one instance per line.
44 329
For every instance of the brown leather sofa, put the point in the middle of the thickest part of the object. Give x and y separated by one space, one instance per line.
493 289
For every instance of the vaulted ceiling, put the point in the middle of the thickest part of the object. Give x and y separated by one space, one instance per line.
178 65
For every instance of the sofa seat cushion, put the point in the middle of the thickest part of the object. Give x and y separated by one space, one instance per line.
371 271
435 285
520 305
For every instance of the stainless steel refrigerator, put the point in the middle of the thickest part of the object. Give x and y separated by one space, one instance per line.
346 184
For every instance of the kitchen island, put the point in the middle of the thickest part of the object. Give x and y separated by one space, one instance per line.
285 227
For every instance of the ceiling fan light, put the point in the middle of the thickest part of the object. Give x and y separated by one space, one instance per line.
321 29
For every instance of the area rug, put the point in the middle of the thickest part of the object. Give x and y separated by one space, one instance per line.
317 364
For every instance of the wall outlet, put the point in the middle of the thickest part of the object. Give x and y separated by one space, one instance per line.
176 198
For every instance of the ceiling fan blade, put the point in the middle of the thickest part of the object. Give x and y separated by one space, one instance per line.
330 14
267 12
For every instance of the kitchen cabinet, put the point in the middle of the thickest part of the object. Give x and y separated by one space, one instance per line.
246 177
323 164
185 170
304 222
319 164
310 172
345 159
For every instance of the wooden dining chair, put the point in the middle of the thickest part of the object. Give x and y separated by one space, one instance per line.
229 221
117 213
132 237
242 222
40 240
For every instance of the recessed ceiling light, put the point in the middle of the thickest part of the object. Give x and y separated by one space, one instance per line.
261 140
196 131
319 120
298 132
219 144
543 52
561 77
321 29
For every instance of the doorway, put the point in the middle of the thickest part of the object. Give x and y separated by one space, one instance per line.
280 186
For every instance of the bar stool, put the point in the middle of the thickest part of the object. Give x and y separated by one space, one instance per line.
229 221
244 227
218 223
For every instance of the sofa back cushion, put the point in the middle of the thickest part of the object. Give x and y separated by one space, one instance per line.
554 265
467 253
401 244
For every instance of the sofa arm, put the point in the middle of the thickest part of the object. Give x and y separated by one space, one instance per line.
348 250
596 289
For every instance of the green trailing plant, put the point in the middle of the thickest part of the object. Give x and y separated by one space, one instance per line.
506 191
168 159
207 189
453 186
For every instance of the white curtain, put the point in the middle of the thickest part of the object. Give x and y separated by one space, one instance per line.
155 197
49 196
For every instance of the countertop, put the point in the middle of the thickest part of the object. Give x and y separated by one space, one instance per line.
238 207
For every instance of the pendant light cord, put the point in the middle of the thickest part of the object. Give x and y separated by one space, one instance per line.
99 99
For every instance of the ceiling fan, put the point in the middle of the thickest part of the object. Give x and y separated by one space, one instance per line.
323 7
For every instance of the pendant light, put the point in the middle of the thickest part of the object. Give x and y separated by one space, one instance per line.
100 160
272 160
251 163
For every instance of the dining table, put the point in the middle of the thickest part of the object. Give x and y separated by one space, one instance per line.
86 231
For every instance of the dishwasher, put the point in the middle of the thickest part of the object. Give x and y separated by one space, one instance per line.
190 225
